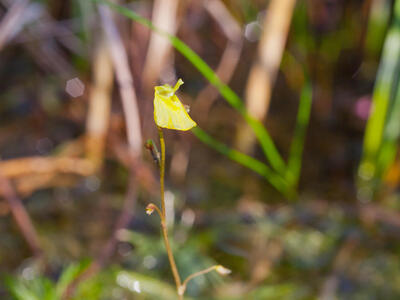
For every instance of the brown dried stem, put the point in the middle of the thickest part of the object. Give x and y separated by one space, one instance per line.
20 215
125 80
99 106
10 21
44 165
164 17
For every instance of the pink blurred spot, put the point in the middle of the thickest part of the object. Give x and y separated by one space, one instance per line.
75 87
362 107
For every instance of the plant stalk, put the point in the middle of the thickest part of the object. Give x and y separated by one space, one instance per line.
194 275
163 217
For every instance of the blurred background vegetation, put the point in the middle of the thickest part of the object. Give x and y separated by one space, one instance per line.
291 179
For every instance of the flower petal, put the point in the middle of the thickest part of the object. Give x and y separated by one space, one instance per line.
169 111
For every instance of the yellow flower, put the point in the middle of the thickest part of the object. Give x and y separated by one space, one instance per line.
169 112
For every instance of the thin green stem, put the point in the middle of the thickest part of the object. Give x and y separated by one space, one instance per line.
171 258
163 217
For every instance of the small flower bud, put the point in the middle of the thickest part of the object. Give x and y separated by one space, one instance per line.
222 270
150 209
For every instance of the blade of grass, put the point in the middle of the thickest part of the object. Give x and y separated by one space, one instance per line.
378 23
268 146
253 164
296 148
382 96
86 11
388 150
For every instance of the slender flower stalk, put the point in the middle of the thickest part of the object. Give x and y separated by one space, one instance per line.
220 269
170 113
163 218
162 169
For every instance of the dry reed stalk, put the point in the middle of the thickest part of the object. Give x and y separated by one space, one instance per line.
14 168
99 106
125 80
10 22
26 185
164 17
265 68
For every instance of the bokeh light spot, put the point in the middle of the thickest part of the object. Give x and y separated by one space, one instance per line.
75 87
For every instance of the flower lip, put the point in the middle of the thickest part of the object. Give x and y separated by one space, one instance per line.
169 112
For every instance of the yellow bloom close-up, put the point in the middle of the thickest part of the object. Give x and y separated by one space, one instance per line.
169 111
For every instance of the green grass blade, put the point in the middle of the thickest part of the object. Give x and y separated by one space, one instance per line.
68 275
296 149
378 24
253 164
388 150
18 290
268 146
381 102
